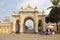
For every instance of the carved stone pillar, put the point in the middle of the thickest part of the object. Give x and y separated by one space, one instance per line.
21 26
36 23
10 30
36 27
6 30
44 24
3 30
14 26
0 29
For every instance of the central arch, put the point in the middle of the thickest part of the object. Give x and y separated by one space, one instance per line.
26 28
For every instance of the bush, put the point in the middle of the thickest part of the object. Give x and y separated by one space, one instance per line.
58 32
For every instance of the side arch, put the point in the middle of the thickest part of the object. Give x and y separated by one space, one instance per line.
17 26
40 26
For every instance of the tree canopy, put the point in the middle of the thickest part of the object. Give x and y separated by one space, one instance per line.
54 15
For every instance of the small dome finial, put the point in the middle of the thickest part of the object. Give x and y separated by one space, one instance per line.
43 11
29 6
6 18
21 7
14 12
35 7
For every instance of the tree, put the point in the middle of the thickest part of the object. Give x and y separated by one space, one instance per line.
54 15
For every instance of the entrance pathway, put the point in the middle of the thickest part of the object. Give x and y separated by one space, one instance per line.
28 37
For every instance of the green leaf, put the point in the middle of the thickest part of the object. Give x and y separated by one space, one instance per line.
55 2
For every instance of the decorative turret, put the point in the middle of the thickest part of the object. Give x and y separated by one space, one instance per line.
6 20
15 14
29 6
21 7
43 11
35 7
0 21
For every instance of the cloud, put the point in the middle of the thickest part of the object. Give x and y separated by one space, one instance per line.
33 3
41 4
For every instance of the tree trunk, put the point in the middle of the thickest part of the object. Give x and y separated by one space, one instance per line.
57 26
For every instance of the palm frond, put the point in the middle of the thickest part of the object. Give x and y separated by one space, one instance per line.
59 5
55 2
50 7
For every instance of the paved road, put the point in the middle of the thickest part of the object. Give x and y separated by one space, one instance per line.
28 37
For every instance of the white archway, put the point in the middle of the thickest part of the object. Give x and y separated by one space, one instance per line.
29 25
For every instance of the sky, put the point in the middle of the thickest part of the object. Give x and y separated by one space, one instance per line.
7 7
30 24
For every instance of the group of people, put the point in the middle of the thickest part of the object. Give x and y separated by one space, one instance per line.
50 29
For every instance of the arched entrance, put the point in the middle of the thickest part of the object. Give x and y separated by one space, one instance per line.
29 25
40 26
28 13
17 26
